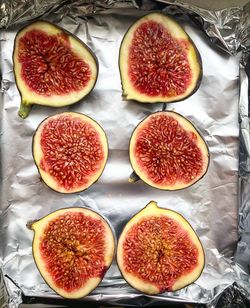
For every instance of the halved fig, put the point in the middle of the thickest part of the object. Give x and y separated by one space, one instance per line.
72 248
52 66
159 251
167 152
70 151
158 61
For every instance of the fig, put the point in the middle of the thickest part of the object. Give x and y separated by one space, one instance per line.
72 248
167 152
159 251
52 67
158 61
70 151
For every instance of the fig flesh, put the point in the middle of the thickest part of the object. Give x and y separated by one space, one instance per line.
72 248
159 251
52 67
158 61
70 151
167 152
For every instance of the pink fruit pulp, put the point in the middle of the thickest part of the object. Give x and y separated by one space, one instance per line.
158 251
166 153
72 248
158 63
72 151
49 66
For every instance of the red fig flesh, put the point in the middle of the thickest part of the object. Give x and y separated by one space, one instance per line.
72 248
70 151
159 251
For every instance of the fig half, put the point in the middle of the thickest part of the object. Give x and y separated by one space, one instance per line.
72 248
159 251
70 151
52 67
167 152
158 61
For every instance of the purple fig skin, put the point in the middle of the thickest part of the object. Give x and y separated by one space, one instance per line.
198 56
59 192
189 226
135 176
26 108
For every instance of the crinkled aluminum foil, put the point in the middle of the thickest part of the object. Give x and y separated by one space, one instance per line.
211 205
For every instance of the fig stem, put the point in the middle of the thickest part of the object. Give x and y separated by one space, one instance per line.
30 223
133 177
164 106
24 110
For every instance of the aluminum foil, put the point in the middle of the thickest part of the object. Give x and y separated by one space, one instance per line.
211 205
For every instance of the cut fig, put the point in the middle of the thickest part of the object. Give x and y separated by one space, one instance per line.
167 152
70 151
158 61
72 248
159 251
52 67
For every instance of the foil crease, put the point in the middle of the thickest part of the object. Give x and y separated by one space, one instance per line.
229 29
242 254
217 110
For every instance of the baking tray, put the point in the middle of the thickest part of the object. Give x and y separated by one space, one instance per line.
217 206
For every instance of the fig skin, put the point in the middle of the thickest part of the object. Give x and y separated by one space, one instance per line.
153 208
139 99
134 177
37 166
31 225
26 106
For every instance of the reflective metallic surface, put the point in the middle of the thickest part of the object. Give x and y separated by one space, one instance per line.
211 205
